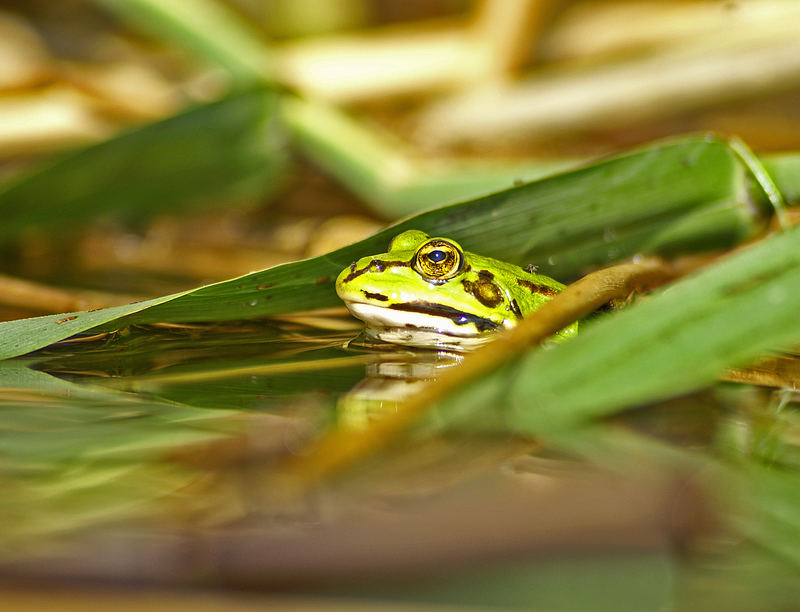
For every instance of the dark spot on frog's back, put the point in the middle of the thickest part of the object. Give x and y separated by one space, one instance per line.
375 296
484 290
486 274
536 288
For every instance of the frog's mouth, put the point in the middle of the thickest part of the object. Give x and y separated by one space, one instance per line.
423 316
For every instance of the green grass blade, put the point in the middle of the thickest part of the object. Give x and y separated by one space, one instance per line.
385 173
669 197
223 151
209 29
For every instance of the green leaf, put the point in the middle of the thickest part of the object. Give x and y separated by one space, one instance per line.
226 150
689 194
385 174
676 341
209 29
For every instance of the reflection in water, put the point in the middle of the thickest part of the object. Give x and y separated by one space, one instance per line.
95 433
189 460
391 375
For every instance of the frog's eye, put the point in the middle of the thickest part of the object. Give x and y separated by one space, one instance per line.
438 260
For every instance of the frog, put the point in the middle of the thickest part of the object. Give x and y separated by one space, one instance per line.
429 292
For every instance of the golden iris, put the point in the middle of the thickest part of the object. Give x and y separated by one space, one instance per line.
438 259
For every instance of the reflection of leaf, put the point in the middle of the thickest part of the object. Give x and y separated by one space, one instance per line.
220 151
80 454
769 512
684 195
251 366
48 419
17 375
79 496
74 455
754 498
760 445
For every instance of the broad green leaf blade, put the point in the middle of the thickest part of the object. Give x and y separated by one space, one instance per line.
223 151
686 194
677 341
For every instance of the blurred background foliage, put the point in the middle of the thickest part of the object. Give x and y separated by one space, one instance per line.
148 147
399 110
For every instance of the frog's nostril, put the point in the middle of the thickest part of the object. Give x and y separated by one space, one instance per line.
353 267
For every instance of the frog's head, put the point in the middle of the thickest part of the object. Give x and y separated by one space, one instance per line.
428 291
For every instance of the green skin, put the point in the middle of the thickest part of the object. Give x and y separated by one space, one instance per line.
400 304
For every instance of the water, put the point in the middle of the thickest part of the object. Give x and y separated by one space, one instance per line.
155 454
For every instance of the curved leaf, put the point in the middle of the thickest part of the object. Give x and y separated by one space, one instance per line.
689 194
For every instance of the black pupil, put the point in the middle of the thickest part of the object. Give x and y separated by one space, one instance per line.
437 256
